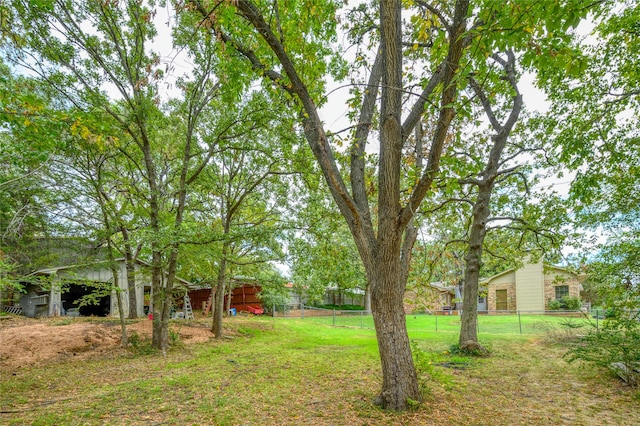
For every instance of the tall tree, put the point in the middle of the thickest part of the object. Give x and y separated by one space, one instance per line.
94 178
593 129
114 70
494 168
246 186
444 38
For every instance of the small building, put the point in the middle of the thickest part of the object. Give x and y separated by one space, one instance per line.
58 290
434 297
530 288
244 297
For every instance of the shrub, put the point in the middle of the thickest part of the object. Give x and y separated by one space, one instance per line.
139 345
571 303
616 346
568 303
554 305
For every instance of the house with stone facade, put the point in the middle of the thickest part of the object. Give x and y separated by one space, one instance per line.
434 297
531 287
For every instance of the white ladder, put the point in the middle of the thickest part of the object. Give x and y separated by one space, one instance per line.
188 311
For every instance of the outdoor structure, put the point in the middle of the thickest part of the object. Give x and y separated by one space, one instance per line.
58 290
530 288
331 296
435 297
296 296
244 298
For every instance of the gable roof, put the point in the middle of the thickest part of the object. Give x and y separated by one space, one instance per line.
545 266
54 270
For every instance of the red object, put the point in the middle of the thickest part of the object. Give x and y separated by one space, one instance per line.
151 317
254 309
245 299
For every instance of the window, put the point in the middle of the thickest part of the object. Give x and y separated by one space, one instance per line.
481 299
561 291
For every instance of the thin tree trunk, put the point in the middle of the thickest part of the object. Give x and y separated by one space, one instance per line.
131 274
216 327
160 336
228 307
124 341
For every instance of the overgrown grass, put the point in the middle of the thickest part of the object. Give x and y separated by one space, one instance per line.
299 372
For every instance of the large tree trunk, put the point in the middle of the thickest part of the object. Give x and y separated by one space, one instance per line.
381 253
399 380
469 319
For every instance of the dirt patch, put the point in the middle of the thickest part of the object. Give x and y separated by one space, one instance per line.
25 341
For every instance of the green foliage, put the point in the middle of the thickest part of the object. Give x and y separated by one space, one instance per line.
592 127
426 368
567 303
174 339
341 307
617 342
140 345
475 351
324 256
273 295
554 305
8 282
571 303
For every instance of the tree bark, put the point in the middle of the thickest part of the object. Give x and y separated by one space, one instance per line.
469 319
481 207
229 293
367 298
131 274
400 382
124 341
216 327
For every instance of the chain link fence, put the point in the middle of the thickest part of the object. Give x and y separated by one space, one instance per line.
490 322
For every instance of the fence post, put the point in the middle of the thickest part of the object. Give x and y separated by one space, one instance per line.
520 322
334 317
302 310
436 321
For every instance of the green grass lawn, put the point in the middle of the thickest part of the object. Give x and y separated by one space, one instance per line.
295 371
487 324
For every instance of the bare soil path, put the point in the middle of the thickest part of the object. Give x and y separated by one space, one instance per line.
26 341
